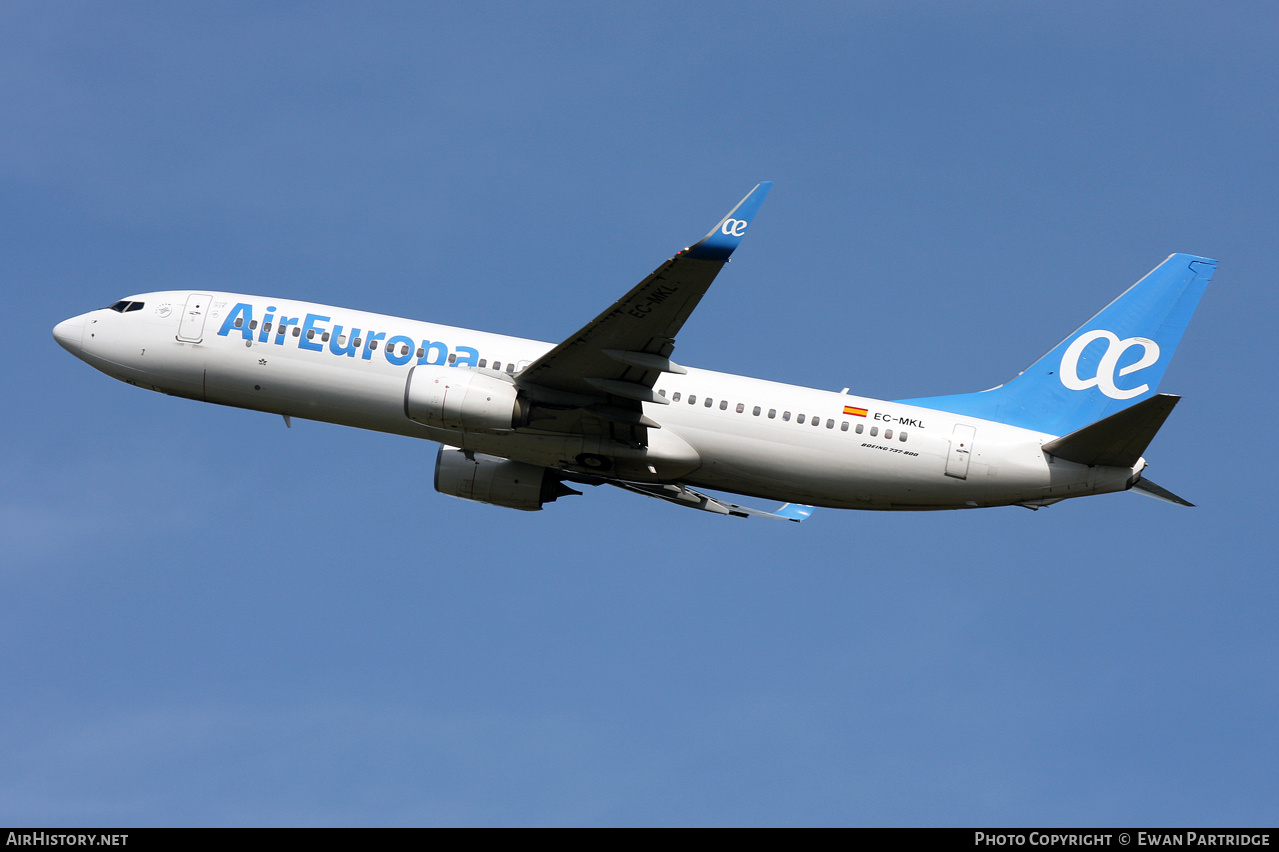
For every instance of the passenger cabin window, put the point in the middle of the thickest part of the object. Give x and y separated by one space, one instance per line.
755 411
772 413
709 402
662 392
723 406
861 427
799 418
484 362
239 322
692 399
830 424
901 436
325 338
874 430
786 415
843 426
888 434
452 355
297 331
675 397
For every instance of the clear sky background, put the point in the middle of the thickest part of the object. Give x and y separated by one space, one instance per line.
209 619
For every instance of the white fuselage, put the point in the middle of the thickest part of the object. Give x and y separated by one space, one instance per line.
753 437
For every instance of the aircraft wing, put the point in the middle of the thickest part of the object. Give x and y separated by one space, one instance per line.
682 495
611 364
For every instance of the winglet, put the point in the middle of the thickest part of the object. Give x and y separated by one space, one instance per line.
724 237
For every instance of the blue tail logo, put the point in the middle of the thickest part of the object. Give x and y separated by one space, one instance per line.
1104 380
1114 360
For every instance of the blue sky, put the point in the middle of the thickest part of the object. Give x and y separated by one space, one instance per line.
207 619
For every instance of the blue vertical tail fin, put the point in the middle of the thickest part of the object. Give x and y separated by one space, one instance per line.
1112 361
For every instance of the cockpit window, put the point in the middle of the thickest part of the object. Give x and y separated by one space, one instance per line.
134 306
124 306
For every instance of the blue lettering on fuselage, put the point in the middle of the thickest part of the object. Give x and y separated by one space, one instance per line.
402 344
309 330
399 348
266 324
283 328
244 314
338 342
434 352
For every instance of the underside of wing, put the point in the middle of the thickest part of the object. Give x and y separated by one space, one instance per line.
682 495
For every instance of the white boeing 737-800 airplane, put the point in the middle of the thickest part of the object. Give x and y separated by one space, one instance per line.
517 419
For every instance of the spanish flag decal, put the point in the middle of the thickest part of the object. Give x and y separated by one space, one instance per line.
854 412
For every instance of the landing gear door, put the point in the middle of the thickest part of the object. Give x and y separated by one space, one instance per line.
961 450
192 328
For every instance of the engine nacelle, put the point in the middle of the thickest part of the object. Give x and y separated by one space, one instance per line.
462 400
495 480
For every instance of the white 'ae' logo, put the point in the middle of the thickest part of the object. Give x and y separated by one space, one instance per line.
734 227
1104 381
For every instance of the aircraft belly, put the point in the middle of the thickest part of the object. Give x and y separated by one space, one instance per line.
830 471
826 471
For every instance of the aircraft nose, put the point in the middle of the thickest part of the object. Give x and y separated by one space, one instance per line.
69 333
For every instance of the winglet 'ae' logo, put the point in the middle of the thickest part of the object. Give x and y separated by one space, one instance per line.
1104 381
733 227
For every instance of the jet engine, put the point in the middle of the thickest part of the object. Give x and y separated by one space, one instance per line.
462 400
492 479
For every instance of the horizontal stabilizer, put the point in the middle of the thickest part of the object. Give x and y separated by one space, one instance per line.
1145 486
1118 440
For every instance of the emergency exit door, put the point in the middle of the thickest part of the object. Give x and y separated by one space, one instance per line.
961 450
